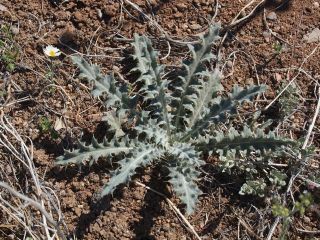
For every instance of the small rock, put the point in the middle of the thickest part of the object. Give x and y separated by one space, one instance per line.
3 8
316 4
278 77
62 193
14 30
307 219
266 35
277 28
195 26
137 196
313 36
272 16
249 81
184 26
181 6
8 169
242 14
68 34
99 13
11 236
229 64
78 16
77 211
178 15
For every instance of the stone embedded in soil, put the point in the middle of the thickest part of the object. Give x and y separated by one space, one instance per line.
272 16
78 211
249 81
278 77
306 219
14 30
3 8
78 16
229 64
195 26
181 6
313 36
267 35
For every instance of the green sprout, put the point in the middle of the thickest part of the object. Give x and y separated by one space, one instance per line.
46 127
9 52
277 47
305 201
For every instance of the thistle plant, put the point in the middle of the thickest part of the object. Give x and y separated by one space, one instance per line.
169 121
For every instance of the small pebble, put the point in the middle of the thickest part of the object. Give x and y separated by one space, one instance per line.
99 13
229 64
249 81
307 219
278 77
195 26
313 36
267 36
181 6
3 8
272 16
316 4
14 30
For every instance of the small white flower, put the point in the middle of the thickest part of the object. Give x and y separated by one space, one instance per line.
51 51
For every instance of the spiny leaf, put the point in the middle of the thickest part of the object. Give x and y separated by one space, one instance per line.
115 119
92 152
245 140
182 180
150 71
153 134
205 96
190 80
183 173
103 85
152 86
218 111
187 154
88 71
142 155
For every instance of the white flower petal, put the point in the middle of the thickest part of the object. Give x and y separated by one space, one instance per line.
51 51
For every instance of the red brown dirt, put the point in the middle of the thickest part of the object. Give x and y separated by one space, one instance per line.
101 29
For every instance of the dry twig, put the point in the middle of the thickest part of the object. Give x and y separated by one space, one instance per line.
46 203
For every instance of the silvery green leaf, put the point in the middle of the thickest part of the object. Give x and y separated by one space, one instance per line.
141 156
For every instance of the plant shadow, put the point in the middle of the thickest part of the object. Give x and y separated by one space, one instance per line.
152 206
97 208
227 191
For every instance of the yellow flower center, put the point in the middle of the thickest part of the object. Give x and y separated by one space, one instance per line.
52 53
